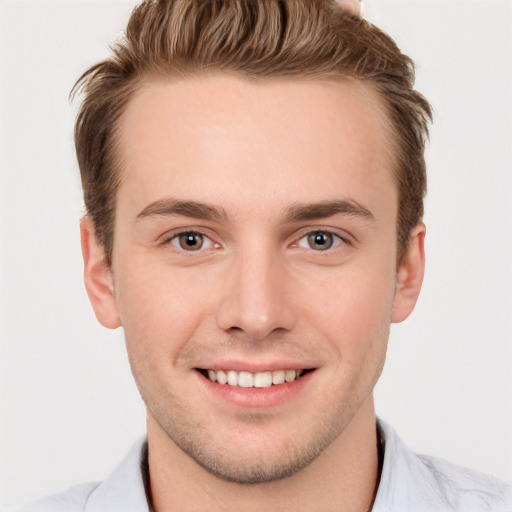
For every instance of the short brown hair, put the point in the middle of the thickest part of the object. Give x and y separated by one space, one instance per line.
253 39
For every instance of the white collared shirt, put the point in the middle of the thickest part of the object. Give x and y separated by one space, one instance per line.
409 483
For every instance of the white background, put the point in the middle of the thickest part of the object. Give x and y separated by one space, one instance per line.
69 409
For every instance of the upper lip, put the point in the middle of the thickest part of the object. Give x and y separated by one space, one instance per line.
257 366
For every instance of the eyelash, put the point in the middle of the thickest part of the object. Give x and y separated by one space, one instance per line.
336 240
175 237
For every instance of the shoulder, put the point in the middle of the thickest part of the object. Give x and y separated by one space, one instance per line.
72 500
124 490
426 484
467 489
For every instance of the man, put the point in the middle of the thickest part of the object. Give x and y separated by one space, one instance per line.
253 174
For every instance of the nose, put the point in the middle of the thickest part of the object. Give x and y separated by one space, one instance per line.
257 297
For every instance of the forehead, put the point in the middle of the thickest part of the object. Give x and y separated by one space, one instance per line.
258 139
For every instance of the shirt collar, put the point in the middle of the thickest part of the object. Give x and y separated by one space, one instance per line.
403 480
124 489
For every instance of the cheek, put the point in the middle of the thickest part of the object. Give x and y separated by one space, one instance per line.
353 308
359 324
160 308
369 305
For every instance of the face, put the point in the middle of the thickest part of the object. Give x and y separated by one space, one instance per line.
255 242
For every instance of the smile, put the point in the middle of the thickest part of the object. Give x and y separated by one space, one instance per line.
245 379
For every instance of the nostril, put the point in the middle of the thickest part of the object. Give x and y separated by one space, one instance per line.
235 329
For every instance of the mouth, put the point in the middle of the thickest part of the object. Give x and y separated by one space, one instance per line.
244 379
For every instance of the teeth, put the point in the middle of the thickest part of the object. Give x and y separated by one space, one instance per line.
245 379
263 380
289 375
222 378
253 380
232 378
278 377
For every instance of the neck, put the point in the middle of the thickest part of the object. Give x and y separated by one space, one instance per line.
343 477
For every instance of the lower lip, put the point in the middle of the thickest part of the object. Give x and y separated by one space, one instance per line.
257 398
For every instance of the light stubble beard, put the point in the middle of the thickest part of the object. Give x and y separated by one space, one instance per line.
231 460
292 456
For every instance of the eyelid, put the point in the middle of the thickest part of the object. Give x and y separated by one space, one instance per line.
336 242
166 239
346 238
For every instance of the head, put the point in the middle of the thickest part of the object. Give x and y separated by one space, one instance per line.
253 175
313 40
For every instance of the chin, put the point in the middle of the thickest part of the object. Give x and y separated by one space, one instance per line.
255 453
242 469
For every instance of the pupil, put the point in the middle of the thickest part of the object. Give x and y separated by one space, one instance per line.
191 241
320 241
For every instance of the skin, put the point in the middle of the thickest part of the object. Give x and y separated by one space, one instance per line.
274 162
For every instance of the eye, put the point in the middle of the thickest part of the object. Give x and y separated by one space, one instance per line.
190 241
320 241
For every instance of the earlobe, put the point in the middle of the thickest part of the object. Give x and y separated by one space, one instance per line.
409 276
98 277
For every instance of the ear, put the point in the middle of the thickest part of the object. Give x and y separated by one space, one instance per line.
98 278
409 276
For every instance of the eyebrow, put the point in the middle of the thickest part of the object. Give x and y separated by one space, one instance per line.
324 209
192 209
297 213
